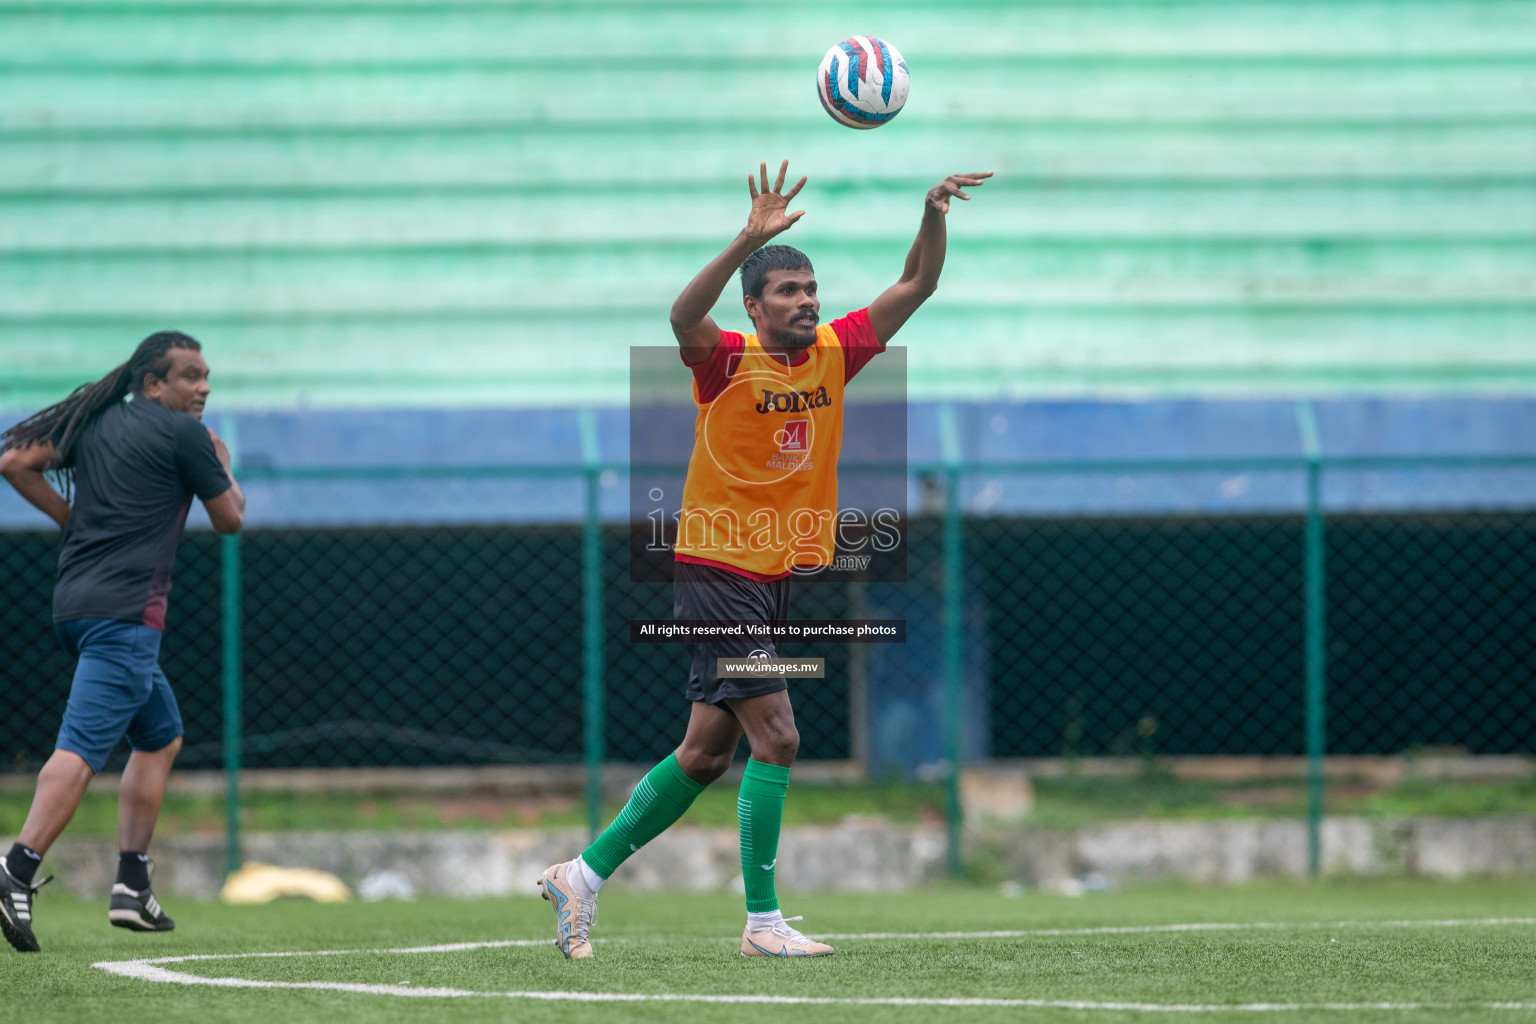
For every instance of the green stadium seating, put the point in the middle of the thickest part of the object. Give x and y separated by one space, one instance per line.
375 202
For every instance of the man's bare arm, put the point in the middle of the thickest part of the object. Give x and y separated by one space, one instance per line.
227 511
23 468
925 260
696 331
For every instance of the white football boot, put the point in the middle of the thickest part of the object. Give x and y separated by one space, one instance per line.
782 941
574 913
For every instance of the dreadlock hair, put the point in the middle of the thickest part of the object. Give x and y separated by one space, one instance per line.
63 422
754 269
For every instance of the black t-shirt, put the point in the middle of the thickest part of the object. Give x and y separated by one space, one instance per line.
137 466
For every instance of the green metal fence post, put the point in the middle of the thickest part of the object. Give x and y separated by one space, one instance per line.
592 623
949 441
231 585
1315 635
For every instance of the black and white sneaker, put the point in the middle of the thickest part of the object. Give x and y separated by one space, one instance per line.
16 909
138 911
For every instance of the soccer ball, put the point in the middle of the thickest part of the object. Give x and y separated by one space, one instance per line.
862 82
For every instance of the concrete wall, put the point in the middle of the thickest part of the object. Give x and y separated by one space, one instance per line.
864 856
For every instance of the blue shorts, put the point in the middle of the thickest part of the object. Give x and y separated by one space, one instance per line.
118 689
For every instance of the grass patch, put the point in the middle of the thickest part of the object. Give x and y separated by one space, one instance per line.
1063 803
1075 801
1327 944
811 803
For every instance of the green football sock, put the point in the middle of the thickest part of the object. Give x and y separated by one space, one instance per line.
760 811
658 801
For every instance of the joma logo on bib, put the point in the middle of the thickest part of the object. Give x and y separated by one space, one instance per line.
793 401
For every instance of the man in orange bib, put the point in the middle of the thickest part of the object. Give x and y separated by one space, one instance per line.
759 503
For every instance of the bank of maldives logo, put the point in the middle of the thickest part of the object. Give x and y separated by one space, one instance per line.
794 436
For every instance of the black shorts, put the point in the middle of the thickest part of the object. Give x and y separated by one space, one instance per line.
704 592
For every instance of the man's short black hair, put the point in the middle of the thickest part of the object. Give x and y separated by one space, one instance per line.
754 270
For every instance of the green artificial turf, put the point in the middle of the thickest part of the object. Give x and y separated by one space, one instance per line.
1331 944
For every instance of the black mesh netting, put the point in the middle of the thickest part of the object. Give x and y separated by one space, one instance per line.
1432 633
1141 636
1081 636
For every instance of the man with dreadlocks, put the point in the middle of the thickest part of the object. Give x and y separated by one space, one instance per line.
133 467
759 504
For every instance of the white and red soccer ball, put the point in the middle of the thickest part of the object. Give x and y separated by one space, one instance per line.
862 82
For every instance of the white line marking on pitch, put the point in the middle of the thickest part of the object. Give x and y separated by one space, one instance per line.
1214 926
148 970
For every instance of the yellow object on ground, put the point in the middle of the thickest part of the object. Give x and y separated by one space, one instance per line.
263 883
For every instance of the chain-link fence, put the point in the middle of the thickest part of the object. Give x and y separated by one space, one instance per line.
1185 634
1150 608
